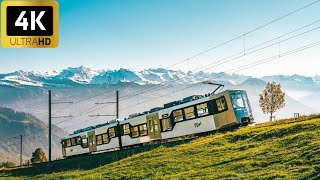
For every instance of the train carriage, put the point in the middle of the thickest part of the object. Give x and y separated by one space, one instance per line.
193 115
92 139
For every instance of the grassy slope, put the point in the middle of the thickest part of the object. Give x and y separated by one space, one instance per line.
284 149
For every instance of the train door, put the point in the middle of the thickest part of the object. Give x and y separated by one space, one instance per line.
64 153
154 126
92 141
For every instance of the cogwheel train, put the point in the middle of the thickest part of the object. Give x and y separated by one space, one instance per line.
196 114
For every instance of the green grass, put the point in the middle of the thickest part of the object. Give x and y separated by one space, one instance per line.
286 149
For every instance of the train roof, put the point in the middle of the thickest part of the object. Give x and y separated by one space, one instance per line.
91 128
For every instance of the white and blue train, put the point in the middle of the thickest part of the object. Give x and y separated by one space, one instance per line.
193 115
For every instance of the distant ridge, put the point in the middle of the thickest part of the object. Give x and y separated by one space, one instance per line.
15 123
75 76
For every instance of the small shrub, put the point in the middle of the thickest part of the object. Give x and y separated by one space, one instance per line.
8 164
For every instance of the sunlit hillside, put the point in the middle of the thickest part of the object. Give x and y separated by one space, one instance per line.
285 149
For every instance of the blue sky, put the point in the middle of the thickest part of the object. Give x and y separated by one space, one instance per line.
139 34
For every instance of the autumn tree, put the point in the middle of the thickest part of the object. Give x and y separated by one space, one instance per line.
39 156
272 99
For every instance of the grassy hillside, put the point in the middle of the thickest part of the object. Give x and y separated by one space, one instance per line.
287 149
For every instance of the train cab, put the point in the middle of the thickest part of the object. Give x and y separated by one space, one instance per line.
241 106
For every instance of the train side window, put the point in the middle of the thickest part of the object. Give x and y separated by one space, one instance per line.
78 140
112 132
105 138
84 142
202 109
73 141
189 112
143 129
166 124
126 129
135 131
221 104
177 115
68 143
99 139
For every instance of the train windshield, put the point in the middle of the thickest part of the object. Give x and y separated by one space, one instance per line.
240 104
237 101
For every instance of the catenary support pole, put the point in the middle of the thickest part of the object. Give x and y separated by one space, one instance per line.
49 134
117 116
20 150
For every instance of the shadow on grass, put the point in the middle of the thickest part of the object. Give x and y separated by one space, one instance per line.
86 162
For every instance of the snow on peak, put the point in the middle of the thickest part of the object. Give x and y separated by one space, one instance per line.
78 74
82 75
316 79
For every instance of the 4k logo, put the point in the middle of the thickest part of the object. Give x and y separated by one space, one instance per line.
24 22
29 24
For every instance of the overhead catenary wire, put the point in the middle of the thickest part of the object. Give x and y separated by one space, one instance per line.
243 68
221 61
248 32
239 69
92 109
138 94
217 46
239 53
209 66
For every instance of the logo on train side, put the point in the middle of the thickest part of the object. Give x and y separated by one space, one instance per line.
197 124
29 24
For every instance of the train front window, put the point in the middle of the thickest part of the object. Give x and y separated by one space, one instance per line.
246 101
237 101
241 105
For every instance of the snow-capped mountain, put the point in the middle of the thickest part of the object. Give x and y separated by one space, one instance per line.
297 81
32 78
82 76
86 76
316 79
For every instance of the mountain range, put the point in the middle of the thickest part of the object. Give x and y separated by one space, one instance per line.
72 76
86 76
27 90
